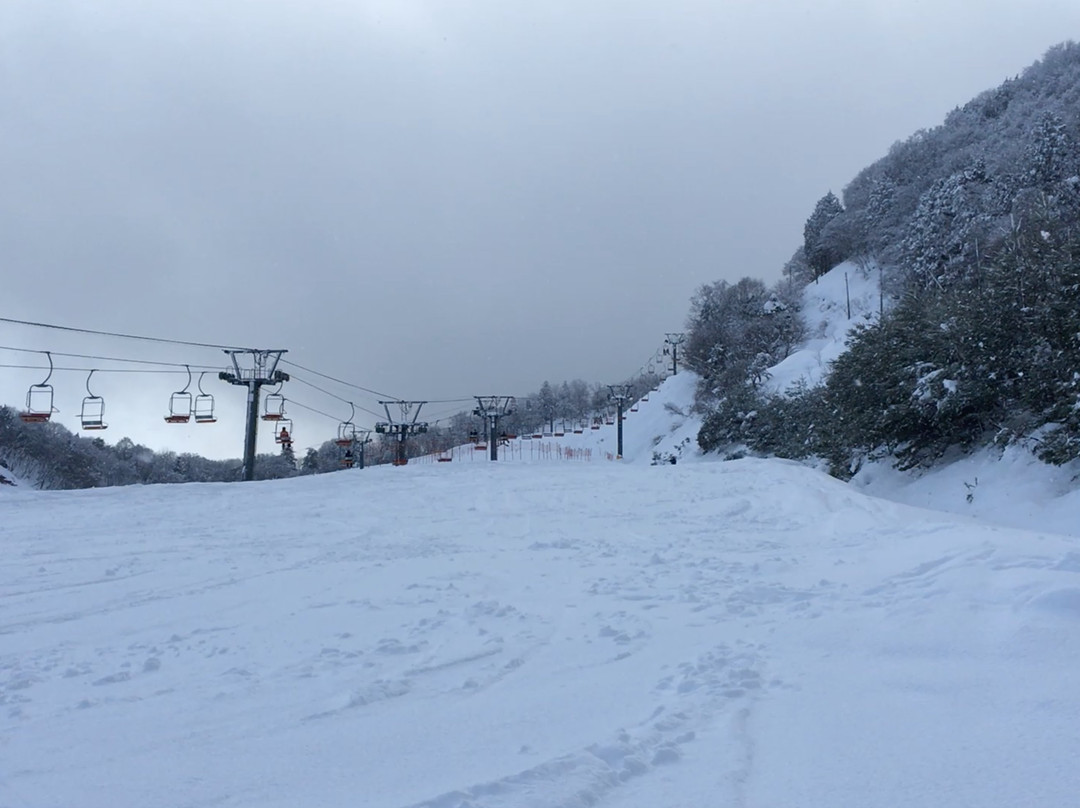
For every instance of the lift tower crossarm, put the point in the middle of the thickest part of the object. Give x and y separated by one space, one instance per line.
407 424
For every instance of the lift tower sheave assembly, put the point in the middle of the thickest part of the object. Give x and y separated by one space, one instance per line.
620 394
405 425
262 370
491 409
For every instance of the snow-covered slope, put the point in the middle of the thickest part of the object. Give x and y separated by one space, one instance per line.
825 307
567 634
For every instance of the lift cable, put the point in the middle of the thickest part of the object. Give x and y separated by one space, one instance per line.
334 395
110 358
123 336
312 409
334 379
85 370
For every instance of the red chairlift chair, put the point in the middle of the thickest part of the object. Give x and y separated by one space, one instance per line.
39 399
283 433
274 407
346 433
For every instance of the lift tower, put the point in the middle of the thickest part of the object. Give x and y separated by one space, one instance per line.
262 370
491 409
674 340
620 394
404 426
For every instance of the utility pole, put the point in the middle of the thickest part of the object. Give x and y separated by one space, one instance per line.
620 394
491 409
674 340
403 427
263 370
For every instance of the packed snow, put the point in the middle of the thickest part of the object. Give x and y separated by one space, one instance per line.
558 629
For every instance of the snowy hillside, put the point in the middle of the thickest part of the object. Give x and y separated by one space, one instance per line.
825 305
531 634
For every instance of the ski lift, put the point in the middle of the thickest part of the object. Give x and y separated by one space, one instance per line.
39 399
283 435
346 432
274 406
203 408
92 415
180 404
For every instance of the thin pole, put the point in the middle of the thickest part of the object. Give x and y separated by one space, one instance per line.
619 403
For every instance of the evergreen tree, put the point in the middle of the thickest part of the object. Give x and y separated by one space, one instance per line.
822 253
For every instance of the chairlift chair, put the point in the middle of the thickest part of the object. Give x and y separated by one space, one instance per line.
274 407
92 414
346 433
180 404
283 432
39 400
202 410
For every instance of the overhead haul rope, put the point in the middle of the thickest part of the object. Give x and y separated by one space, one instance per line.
123 336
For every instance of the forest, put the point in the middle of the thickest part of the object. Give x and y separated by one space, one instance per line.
973 229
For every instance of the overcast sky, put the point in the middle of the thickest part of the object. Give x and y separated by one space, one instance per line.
436 199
